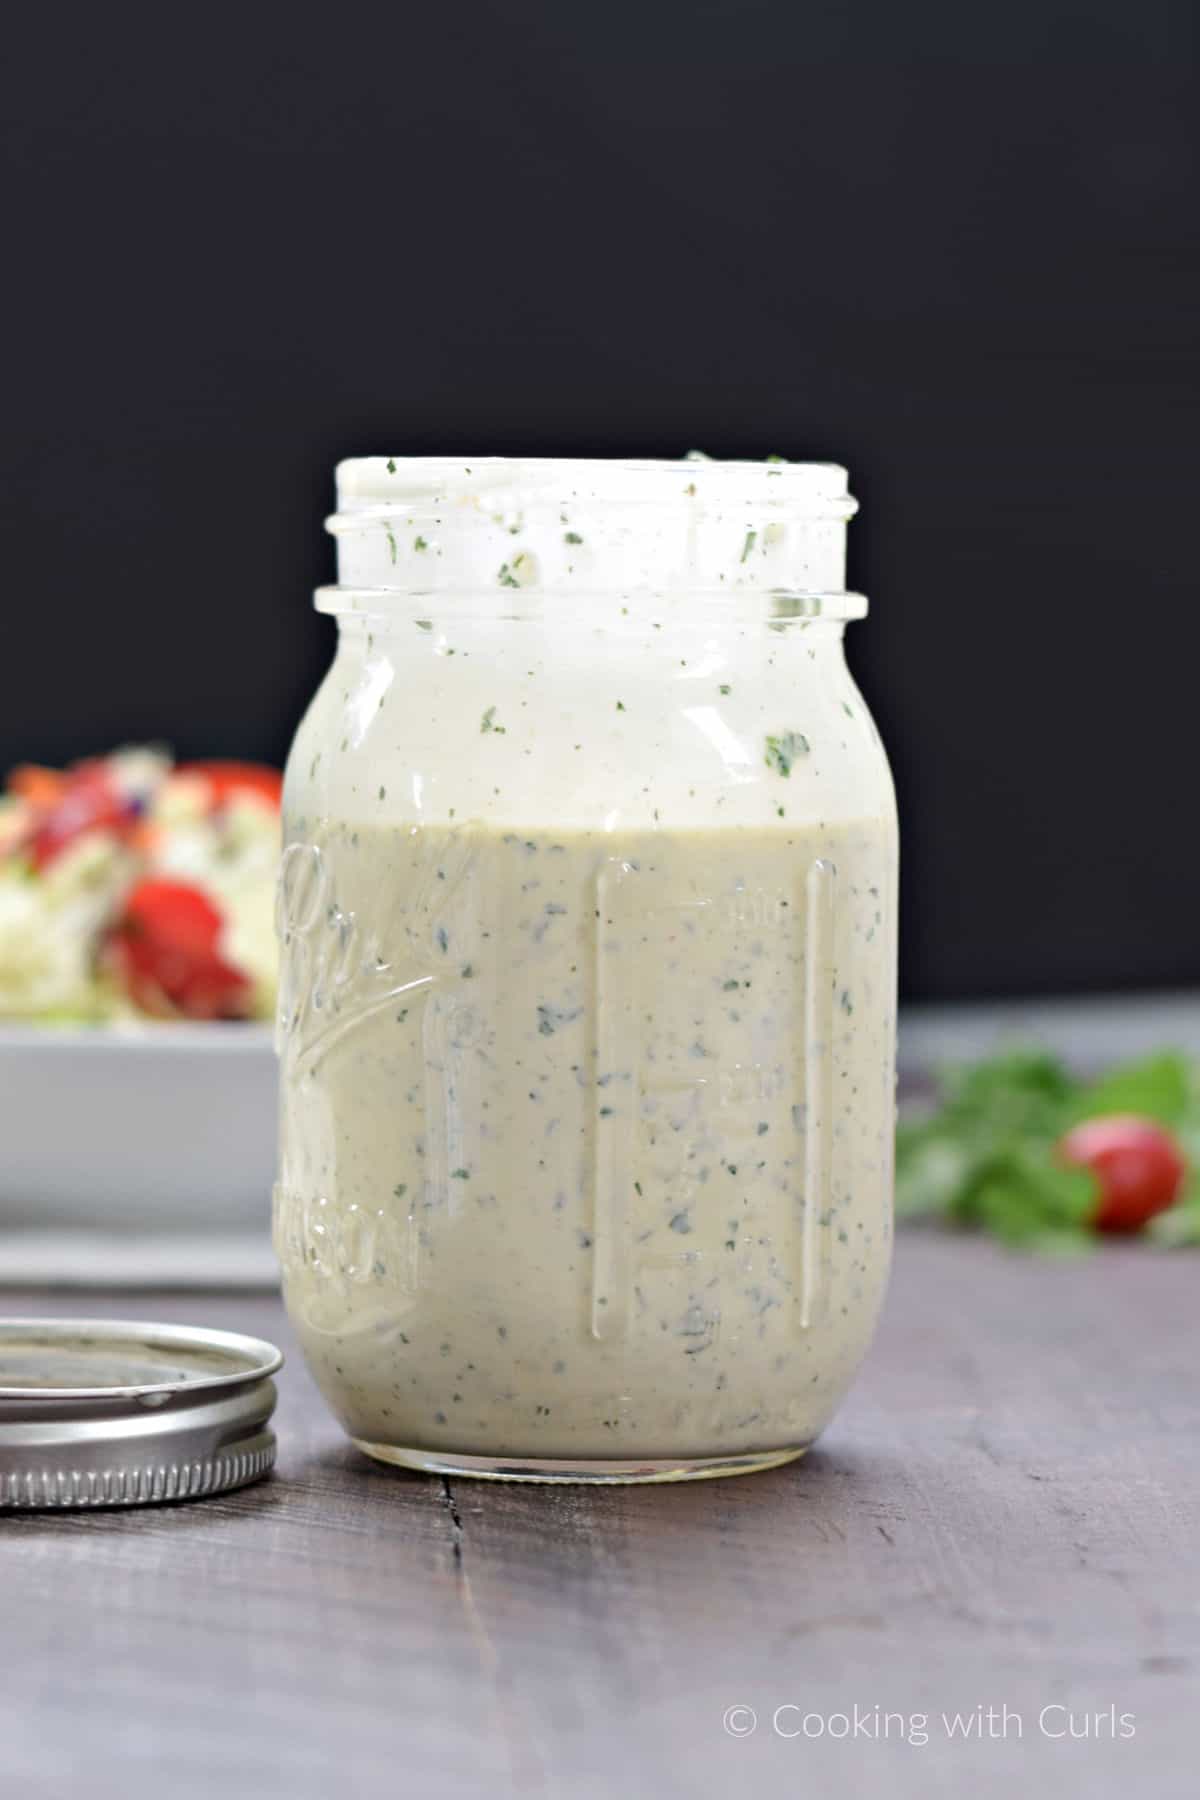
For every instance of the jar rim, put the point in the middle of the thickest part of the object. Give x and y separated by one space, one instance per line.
370 483
590 526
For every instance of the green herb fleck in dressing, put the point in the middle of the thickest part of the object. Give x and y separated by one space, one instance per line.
783 751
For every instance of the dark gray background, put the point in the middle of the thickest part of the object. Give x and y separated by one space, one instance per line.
951 246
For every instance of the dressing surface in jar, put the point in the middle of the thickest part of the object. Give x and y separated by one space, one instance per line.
587 911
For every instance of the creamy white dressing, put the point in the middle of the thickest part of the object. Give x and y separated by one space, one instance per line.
590 1155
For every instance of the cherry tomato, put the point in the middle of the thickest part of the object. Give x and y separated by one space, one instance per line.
229 779
1137 1165
165 949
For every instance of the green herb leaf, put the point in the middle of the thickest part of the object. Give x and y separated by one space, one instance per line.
1159 1088
782 751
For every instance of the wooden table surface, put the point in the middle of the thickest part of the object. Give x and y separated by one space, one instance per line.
1006 1514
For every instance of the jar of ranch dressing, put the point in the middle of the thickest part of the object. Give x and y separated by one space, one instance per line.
588 925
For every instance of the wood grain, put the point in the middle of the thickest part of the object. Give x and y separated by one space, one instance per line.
1006 1513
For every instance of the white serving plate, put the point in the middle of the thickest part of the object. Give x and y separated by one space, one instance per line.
136 1128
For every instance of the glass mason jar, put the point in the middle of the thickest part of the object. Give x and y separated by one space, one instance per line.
587 912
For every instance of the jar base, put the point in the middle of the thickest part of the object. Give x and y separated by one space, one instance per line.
587 1471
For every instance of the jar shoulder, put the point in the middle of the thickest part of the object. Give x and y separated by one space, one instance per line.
723 736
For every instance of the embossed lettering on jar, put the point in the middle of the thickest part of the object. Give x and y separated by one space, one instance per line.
587 915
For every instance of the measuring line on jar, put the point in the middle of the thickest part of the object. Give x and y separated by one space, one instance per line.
820 889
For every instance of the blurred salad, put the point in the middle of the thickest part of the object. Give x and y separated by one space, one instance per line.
1019 1147
132 886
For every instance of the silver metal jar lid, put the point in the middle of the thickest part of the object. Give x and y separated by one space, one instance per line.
101 1412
